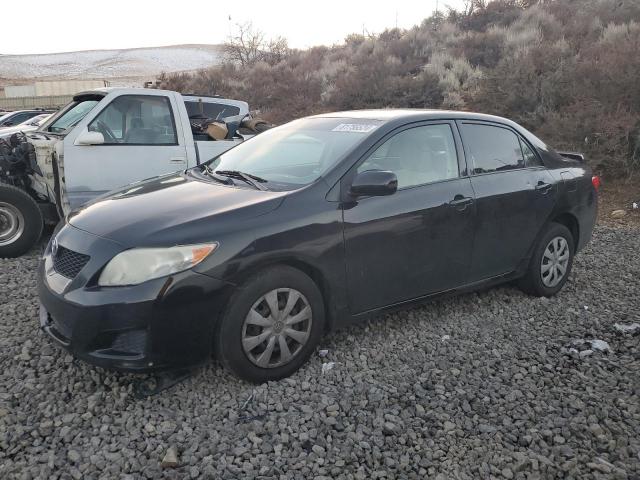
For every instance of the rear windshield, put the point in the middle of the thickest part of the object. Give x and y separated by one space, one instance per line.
210 110
298 153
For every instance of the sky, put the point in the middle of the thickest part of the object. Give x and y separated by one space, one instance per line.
70 25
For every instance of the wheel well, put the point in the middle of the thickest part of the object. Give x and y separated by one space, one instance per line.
312 272
571 223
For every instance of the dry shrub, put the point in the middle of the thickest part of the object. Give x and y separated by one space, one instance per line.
567 69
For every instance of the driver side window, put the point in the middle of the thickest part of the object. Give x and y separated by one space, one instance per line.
417 156
136 120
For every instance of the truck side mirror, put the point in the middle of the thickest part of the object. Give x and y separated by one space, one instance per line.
90 138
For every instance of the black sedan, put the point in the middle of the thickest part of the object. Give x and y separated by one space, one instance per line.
257 253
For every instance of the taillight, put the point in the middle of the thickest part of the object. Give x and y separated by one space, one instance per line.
595 180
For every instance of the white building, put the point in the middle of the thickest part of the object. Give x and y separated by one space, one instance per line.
52 88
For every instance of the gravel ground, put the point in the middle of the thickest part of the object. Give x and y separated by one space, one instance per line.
480 386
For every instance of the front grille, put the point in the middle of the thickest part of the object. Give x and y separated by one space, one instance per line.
69 263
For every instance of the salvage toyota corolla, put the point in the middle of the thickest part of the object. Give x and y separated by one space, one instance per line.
258 252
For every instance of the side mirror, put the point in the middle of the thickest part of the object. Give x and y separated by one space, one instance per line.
374 183
90 138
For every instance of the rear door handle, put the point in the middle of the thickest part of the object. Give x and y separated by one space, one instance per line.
543 187
178 160
460 202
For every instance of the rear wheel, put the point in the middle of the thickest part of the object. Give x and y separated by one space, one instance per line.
20 221
551 262
272 325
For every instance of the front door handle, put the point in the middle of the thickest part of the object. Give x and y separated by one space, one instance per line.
543 187
178 160
460 202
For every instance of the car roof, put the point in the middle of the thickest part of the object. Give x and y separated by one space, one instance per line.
389 114
30 110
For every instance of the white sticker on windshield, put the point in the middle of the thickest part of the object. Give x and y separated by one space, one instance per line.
354 127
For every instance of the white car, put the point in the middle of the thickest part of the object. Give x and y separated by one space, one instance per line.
27 126
11 119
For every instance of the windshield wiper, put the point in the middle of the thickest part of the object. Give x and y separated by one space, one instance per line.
209 172
253 180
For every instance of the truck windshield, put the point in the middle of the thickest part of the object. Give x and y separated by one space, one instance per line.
72 116
295 154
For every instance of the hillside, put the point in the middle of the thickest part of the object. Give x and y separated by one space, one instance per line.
109 64
566 69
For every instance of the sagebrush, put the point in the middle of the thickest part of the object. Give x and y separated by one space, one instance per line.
569 70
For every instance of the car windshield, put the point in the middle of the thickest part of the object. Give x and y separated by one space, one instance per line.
37 120
297 153
73 114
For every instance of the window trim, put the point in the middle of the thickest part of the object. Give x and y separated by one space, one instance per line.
533 150
471 171
461 161
173 123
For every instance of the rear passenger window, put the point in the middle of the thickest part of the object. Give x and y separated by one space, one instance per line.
417 156
492 149
217 111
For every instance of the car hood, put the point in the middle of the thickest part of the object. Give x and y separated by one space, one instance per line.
172 210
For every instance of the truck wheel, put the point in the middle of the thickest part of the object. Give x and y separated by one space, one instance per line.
551 262
20 221
271 326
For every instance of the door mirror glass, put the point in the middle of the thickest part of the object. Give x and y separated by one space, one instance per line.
90 138
374 183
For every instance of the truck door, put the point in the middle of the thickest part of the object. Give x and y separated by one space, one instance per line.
133 136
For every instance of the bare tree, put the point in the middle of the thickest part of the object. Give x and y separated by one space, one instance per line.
276 50
246 46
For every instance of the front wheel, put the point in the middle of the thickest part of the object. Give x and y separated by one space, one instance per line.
272 325
551 262
20 221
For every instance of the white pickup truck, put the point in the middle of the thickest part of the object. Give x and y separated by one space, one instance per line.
102 140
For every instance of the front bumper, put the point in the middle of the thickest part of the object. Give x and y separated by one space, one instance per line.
160 324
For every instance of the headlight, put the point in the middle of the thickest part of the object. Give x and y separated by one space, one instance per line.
138 265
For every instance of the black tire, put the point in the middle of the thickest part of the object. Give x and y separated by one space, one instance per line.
228 342
533 282
18 208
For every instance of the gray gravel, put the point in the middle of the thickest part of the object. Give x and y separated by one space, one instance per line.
484 385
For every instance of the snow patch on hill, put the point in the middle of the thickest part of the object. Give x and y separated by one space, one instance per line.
110 64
